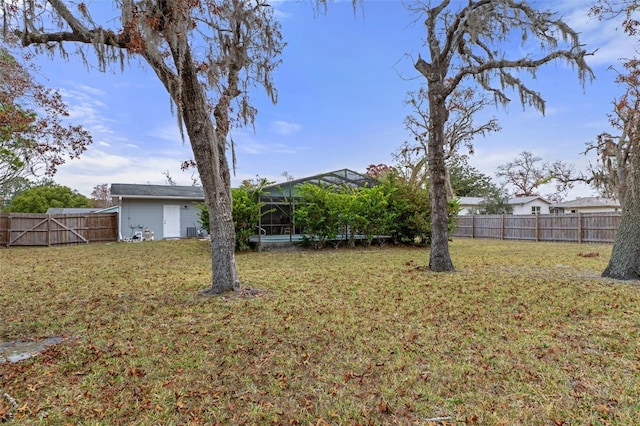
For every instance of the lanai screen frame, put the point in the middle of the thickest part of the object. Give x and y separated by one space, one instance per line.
283 198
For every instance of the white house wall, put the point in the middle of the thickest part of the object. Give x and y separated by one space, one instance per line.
467 210
526 208
592 209
141 214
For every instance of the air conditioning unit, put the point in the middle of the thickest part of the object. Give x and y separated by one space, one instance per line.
192 232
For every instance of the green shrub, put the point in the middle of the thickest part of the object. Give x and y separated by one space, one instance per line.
324 212
320 213
246 211
410 211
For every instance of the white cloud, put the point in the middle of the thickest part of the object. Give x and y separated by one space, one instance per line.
92 113
285 128
605 38
93 91
96 167
98 161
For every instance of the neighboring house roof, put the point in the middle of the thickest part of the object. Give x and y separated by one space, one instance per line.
525 200
112 209
587 202
69 210
127 190
470 201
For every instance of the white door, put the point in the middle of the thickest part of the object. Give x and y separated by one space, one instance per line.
171 222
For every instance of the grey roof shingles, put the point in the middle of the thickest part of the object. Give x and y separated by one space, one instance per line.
71 210
127 190
589 202
470 201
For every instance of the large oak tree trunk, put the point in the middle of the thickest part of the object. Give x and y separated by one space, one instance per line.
439 257
209 150
624 263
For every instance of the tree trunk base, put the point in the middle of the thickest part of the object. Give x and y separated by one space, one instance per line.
236 293
210 292
441 267
440 260
625 275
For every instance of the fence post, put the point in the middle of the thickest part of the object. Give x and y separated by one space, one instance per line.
579 228
48 230
537 227
473 223
502 227
9 231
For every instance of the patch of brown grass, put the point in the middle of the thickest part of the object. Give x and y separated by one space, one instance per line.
522 333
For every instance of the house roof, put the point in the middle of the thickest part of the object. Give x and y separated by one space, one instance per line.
526 200
71 210
470 201
128 190
588 202
111 209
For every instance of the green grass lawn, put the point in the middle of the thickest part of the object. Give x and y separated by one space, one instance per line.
522 333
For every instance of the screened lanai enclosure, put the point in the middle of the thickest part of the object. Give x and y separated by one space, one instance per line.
278 224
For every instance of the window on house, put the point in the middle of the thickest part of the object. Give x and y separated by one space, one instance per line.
535 209
574 211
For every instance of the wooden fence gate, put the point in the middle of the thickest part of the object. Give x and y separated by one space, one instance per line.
22 229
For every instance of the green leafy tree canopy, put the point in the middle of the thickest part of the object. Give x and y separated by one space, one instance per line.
40 198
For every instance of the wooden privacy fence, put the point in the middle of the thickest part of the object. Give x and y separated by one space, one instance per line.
574 227
26 229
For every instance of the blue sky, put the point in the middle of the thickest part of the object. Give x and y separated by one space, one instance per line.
342 86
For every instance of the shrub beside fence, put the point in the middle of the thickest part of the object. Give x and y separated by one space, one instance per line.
25 229
574 227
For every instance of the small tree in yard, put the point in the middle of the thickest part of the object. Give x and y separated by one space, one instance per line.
474 40
207 54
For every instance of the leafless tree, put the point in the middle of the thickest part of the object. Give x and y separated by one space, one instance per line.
461 129
527 174
101 196
474 41
168 178
207 54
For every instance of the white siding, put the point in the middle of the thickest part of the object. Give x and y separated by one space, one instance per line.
526 208
592 209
